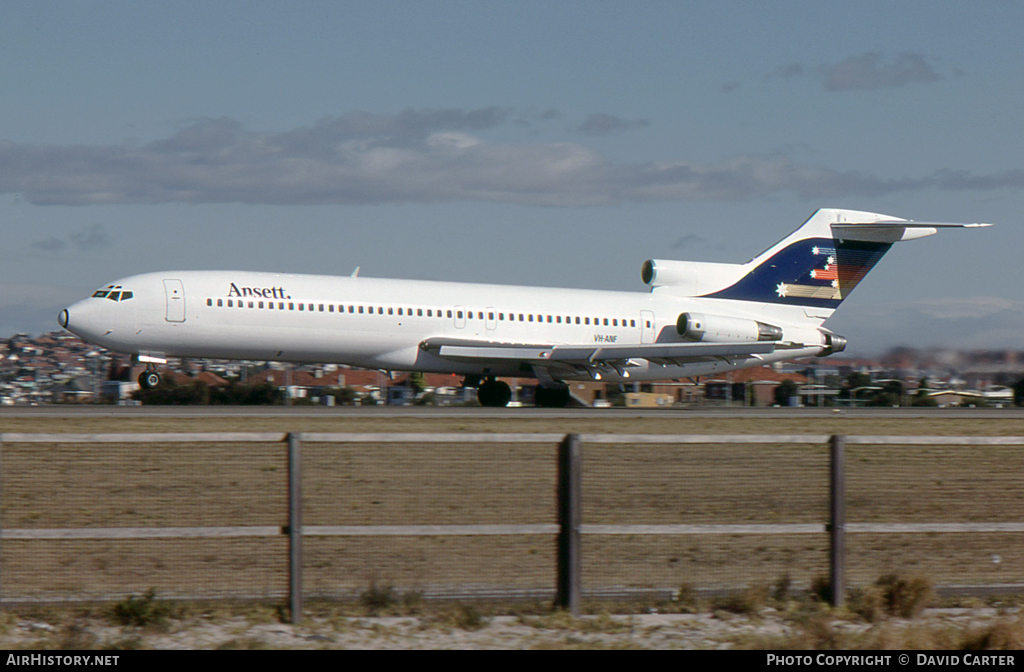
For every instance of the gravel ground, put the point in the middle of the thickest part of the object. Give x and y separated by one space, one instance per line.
465 629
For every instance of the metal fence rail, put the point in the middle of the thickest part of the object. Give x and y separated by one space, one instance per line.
604 514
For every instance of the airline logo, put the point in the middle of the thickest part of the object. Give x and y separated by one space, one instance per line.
818 272
824 278
258 292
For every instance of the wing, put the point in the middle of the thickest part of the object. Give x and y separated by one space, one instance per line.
590 358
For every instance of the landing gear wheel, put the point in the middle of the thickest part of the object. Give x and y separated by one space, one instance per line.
149 379
494 394
552 397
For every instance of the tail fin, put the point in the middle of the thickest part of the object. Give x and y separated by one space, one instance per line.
819 264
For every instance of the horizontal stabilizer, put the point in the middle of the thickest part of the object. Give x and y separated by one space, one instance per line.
891 231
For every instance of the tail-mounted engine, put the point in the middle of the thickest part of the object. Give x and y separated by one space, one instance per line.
719 329
833 343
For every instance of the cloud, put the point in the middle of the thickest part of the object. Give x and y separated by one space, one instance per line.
866 72
49 245
606 124
93 237
974 307
969 322
869 71
415 156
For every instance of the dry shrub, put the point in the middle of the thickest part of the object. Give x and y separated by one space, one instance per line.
751 601
868 603
1003 636
905 597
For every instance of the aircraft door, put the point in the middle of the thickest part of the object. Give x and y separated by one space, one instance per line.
646 326
491 319
460 317
175 300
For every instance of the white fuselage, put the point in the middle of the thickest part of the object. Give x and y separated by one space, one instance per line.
381 324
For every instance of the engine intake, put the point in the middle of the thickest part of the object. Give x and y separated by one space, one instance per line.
719 329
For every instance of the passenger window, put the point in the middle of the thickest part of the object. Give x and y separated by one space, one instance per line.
458 314
330 308
450 314
577 320
302 306
270 305
419 312
501 317
549 319
320 307
231 304
586 320
261 305
291 306
521 317
632 323
250 304
615 323
490 316
209 302
280 305
480 315
469 314
391 311
531 317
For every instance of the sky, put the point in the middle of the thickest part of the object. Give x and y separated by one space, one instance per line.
541 143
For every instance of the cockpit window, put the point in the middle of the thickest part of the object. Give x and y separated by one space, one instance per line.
115 295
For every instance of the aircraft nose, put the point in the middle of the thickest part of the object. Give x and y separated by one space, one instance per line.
76 319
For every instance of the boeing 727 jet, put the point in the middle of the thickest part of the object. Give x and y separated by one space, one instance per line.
696 319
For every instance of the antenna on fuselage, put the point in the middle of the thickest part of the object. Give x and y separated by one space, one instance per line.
355 273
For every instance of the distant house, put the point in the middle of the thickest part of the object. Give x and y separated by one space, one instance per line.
749 387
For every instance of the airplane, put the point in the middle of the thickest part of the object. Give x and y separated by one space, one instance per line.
698 318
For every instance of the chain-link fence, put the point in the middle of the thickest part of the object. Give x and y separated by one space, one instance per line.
85 517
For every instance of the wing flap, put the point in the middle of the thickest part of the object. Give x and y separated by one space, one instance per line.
598 354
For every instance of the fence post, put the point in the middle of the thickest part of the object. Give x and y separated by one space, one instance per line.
568 594
295 526
837 519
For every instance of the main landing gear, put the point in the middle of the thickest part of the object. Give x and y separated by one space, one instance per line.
149 379
494 393
555 395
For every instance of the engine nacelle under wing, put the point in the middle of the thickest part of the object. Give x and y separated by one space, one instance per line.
720 329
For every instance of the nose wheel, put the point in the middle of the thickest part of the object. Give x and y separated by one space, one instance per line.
149 379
